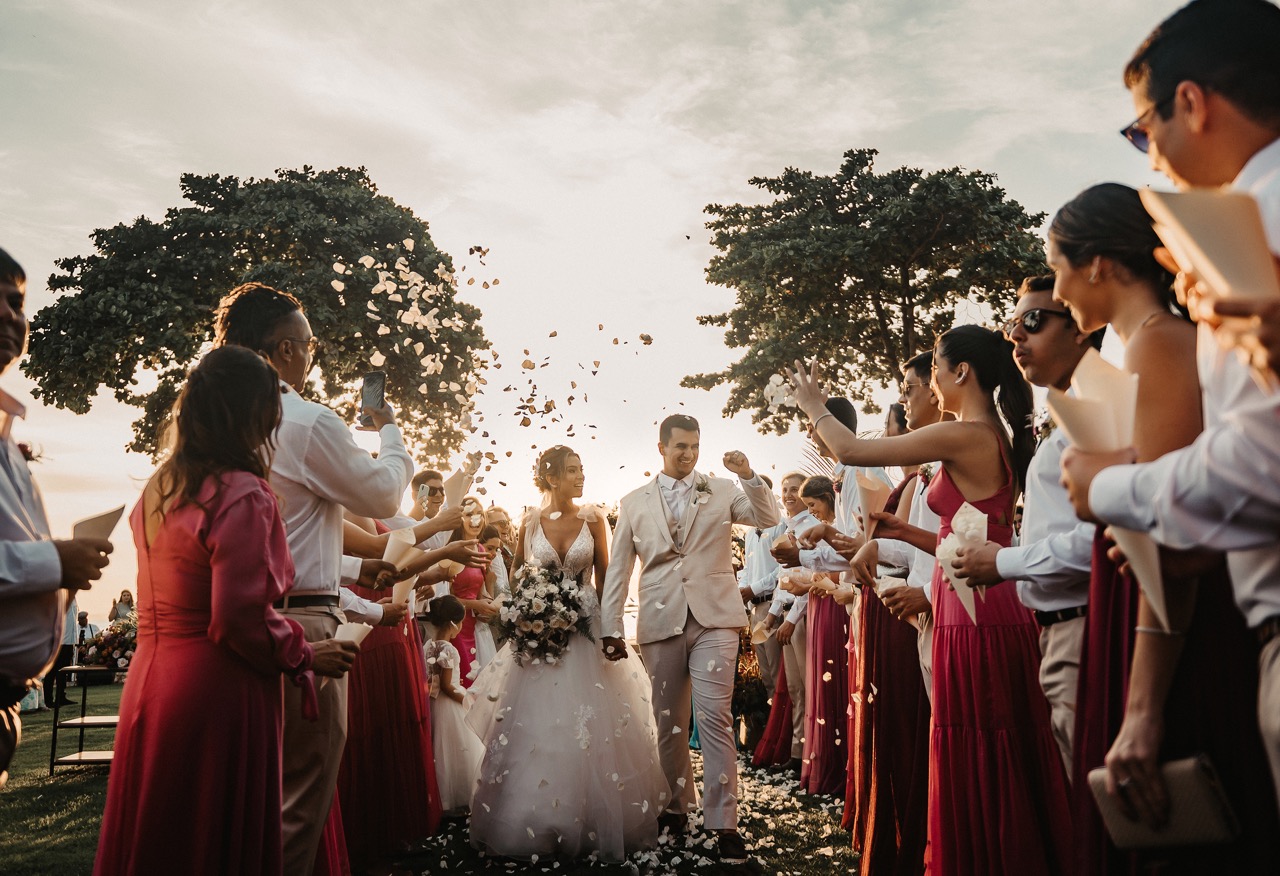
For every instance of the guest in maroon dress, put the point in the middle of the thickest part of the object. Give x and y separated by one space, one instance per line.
1149 695
196 782
389 755
826 670
997 791
888 785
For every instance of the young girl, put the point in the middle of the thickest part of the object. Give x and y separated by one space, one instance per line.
457 748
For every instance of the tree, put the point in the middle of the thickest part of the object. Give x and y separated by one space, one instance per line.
358 261
861 270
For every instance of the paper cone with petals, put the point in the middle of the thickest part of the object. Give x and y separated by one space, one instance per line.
1144 559
352 632
873 495
400 547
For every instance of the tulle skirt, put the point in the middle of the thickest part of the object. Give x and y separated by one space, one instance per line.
458 753
571 757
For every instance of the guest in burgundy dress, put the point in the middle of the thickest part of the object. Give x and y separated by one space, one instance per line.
196 782
1148 695
470 589
826 678
997 791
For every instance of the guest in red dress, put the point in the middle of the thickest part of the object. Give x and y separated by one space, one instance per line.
997 791
1149 695
196 782
774 747
470 589
389 755
826 676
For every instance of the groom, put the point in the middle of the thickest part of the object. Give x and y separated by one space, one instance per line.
679 527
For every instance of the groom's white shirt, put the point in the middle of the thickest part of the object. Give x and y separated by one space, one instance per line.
686 568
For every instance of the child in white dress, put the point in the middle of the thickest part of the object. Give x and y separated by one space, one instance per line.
458 751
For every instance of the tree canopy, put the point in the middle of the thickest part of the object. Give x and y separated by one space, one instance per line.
377 292
859 269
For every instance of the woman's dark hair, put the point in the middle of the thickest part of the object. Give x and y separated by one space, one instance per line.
819 487
551 463
1109 220
445 610
1227 46
897 414
990 355
489 531
224 420
10 270
844 411
249 315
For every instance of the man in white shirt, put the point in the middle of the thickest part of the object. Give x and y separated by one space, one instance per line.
756 584
1052 562
317 470
38 575
1204 85
789 621
912 603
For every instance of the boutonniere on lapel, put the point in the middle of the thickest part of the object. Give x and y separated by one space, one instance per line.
1043 426
702 490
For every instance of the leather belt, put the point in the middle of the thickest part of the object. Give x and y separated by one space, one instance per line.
759 600
306 601
1049 618
1268 629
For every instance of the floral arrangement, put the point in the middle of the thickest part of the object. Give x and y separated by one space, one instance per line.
542 614
1043 426
115 645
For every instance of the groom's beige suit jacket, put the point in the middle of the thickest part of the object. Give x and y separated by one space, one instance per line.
686 565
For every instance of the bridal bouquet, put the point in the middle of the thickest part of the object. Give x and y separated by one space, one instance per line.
542 613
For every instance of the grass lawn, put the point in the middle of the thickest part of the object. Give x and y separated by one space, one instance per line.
50 825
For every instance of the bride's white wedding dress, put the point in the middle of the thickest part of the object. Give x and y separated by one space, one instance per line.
571 758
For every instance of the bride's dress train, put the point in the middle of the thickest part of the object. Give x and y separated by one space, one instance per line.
571 759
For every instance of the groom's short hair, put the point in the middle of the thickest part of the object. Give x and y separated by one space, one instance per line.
677 421
842 409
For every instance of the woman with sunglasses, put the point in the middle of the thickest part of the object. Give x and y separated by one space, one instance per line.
997 789
1148 694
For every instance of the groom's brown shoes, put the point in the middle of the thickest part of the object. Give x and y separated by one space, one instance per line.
733 853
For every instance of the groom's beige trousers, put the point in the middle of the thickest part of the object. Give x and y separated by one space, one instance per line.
699 666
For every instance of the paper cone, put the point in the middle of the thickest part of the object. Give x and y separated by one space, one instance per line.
455 487
400 547
873 495
450 567
884 585
1098 380
784 539
402 590
350 632
759 635
1144 559
1086 423
99 526
962 590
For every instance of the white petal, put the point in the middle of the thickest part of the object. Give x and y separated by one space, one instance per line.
408 243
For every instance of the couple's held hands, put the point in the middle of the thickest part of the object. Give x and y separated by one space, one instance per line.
1080 468
81 560
977 566
905 603
736 461
332 658
614 648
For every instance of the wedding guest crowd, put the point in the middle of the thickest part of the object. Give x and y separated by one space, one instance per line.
986 696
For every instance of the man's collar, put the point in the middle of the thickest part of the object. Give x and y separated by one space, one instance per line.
1263 162
669 482
796 518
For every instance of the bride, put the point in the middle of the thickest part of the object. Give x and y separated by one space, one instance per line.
571 758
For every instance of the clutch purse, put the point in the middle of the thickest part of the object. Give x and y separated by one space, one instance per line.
1199 811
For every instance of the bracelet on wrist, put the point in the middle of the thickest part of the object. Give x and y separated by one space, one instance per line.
1156 631
823 417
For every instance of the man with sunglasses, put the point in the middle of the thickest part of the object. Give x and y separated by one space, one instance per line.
1054 556
1206 84
317 470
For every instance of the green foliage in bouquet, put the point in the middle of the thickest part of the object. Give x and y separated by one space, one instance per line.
115 645
542 614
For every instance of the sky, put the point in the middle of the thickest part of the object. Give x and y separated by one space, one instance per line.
578 141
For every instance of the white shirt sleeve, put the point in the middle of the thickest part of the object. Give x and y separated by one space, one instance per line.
798 607
1060 558
357 609
338 470
29 567
824 558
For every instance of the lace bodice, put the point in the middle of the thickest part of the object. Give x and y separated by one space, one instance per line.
577 560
